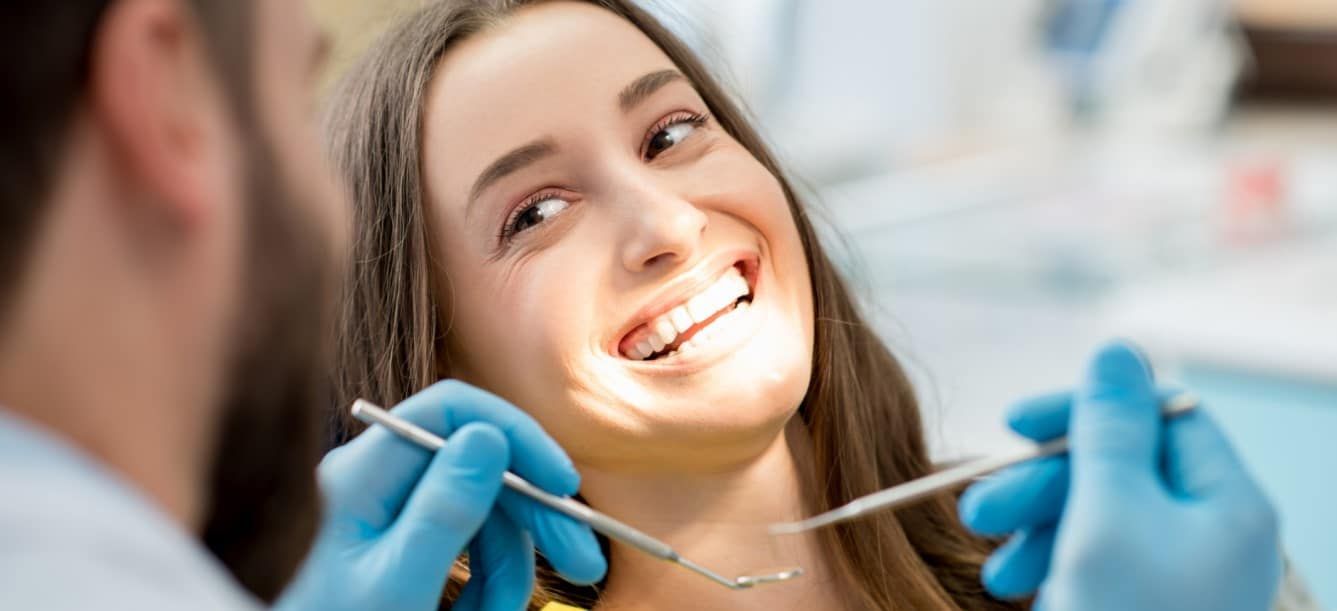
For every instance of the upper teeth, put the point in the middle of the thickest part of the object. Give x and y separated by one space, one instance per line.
666 328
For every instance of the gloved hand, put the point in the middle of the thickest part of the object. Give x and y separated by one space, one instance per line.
1142 514
397 516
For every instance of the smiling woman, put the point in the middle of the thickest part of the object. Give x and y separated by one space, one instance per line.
556 202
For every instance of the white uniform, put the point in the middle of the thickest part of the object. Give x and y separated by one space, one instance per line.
74 535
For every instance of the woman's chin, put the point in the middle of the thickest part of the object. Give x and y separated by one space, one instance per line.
755 389
730 403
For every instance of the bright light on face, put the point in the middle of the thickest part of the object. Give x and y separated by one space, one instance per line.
623 269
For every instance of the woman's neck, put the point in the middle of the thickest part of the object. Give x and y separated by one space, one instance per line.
718 520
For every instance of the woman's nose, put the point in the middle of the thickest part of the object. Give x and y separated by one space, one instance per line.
662 229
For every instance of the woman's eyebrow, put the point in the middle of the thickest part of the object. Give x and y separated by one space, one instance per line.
507 164
645 86
632 95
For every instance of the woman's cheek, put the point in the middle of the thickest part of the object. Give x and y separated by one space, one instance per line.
755 193
542 326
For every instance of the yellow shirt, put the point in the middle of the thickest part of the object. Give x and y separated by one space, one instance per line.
560 607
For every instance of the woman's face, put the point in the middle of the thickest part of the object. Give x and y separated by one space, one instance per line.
613 262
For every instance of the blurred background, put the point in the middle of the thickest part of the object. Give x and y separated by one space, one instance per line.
1017 180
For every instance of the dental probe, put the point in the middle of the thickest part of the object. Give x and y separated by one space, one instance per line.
947 479
613 529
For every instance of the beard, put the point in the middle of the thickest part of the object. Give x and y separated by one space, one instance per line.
263 508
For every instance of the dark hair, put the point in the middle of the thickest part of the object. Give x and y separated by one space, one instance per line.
860 409
47 46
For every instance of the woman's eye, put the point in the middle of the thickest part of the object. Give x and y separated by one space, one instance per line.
535 213
671 135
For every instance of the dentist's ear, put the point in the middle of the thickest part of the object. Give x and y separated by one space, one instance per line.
155 99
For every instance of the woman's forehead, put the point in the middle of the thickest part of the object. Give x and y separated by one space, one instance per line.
539 70
550 34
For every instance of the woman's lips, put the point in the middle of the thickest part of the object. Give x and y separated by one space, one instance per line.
715 342
671 330
674 327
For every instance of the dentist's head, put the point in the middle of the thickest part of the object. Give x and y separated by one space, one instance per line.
167 233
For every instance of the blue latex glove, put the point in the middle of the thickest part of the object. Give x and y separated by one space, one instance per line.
1142 514
397 516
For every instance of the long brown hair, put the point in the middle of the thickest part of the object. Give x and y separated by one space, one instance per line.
860 409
